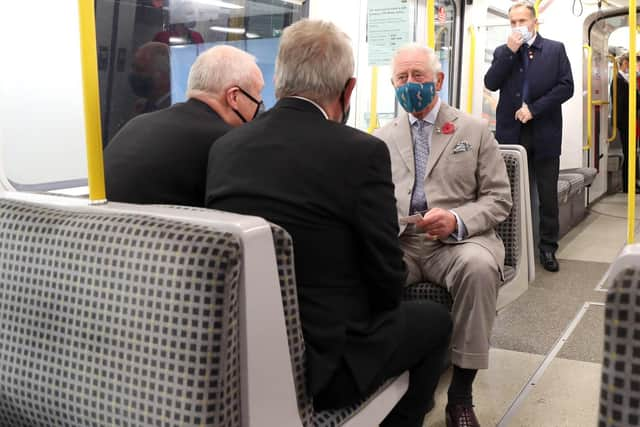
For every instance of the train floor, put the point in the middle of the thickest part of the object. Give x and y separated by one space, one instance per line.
546 355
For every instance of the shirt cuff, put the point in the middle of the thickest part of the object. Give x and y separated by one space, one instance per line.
462 230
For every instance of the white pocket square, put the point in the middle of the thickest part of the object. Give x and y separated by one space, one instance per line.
461 147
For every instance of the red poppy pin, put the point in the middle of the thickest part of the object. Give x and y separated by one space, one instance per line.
448 128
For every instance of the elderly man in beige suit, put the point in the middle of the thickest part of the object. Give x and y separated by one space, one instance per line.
447 163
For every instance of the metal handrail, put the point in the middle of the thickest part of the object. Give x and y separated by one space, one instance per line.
472 56
614 100
91 93
373 111
431 24
589 96
631 181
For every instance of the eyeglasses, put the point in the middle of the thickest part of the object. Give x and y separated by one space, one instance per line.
259 104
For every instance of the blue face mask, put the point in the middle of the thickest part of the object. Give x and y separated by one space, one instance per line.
414 97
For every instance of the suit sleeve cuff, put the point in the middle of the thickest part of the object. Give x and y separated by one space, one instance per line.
461 233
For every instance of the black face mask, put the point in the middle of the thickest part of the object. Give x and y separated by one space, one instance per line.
345 112
141 84
259 106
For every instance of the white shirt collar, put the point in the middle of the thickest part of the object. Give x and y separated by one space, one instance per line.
429 118
324 113
530 42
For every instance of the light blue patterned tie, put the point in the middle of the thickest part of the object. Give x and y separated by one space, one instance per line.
421 155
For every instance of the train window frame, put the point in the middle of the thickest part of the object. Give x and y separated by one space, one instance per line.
187 27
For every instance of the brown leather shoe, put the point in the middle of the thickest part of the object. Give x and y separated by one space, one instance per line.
461 416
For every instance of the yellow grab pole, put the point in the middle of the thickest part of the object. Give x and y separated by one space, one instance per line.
614 100
431 24
589 97
633 66
472 57
373 119
93 130
537 5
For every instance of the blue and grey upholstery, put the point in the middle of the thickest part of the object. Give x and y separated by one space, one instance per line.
514 231
329 418
115 318
620 386
153 315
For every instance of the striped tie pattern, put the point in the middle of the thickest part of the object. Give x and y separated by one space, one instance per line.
421 155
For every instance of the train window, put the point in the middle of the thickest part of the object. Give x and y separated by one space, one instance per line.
497 30
386 106
445 44
146 47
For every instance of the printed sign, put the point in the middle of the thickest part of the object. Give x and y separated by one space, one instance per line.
388 28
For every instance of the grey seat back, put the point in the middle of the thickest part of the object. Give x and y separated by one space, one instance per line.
328 418
620 386
515 232
509 229
114 318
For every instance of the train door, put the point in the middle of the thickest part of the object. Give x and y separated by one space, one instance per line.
607 34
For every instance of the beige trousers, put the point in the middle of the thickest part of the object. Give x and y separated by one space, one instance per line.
472 276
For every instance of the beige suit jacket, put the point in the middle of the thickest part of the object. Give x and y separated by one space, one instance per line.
465 173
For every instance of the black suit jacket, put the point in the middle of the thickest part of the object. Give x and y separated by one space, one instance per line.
623 104
330 187
550 84
161 157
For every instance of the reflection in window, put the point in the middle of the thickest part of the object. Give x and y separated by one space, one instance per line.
146 47
497 31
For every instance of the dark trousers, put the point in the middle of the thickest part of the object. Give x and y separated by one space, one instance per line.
543 181
624 142
422 349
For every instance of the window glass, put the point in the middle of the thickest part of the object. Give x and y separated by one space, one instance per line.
445 40
146 47
445 15
497 31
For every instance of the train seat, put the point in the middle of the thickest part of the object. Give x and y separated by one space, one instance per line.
571 201
125 314
615 159
516 233
620 381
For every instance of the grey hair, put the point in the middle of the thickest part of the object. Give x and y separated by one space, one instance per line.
315 60
433 62
524 3
219 68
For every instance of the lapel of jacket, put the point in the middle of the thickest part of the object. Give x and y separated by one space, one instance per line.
440 141
402 140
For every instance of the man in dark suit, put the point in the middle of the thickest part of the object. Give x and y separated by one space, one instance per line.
534 77
622 119
161 157
330 187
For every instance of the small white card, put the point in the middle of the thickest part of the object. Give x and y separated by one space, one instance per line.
411 219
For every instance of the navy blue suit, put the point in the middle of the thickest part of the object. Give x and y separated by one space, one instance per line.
550 83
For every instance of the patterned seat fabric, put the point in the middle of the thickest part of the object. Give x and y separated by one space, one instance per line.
116 319
509 231
620 386
329 418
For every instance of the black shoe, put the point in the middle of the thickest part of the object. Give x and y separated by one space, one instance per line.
461 416
549 261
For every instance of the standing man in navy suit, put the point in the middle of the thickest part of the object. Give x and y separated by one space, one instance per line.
534 77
